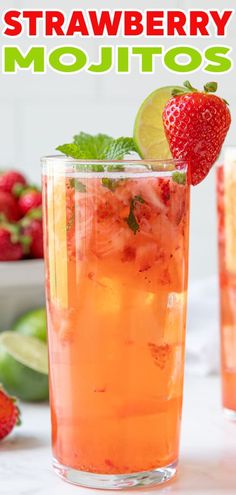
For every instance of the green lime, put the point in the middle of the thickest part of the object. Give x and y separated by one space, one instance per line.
33 323
24 366
149 134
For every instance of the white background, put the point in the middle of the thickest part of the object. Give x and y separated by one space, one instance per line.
38 112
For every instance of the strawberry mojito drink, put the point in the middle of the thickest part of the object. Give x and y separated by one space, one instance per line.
117 255
226 196
116 246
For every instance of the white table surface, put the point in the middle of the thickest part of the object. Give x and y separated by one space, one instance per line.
208 450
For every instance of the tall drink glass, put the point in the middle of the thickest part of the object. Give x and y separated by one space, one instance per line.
226 199
116 248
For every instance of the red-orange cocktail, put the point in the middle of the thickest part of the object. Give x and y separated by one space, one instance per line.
226 198
116 245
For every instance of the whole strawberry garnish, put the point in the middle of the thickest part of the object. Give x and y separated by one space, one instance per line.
11 245
196 124
33 230
9 207
29 199
9 414
10 179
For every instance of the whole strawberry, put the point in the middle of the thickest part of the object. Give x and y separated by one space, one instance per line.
33 230
11 248
29 199
9 414
10 179
9 207
196 124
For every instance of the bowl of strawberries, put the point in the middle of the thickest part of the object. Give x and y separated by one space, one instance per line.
21 247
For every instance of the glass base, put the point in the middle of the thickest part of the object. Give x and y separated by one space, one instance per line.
115 481
230 414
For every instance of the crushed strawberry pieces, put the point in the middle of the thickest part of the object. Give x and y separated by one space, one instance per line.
129 224
104 211
165 192
128 254
143 212
160 354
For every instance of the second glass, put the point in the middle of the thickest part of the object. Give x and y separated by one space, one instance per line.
116 249
226 199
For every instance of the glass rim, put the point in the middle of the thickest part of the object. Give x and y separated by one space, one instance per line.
69 159
134 165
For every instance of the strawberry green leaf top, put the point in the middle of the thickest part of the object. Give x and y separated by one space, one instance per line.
211 87
196 124
98 147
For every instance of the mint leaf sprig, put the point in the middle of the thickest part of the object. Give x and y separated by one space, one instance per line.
111 184
120 147
77 185
179 177
132 220
103 147
70 149
98 147
92 147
